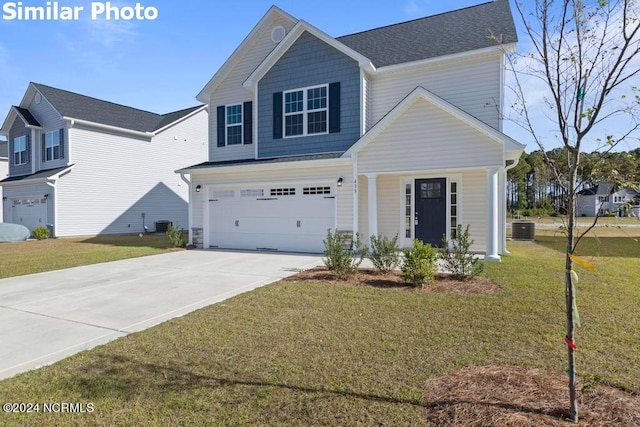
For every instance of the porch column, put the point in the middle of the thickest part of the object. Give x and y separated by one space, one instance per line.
373 207
503 212
492 253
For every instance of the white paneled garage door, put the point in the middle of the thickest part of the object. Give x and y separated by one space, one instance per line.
284 218
30 212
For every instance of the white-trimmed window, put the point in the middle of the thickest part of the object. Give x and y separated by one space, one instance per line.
234 124
51 141
454 219
20 156
306 111
408 211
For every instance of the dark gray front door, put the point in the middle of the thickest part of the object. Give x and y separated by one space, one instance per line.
431 210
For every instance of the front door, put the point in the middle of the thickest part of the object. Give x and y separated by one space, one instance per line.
430 217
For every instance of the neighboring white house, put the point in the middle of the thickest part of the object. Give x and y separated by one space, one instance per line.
396 130
83 166
602 199
4 166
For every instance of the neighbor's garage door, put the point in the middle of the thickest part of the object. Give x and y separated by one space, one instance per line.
283 218
30 212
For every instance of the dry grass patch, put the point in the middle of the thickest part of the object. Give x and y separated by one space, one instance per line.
367 277
513 396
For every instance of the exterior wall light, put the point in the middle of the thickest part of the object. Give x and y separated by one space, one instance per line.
46 196
198 188
340 181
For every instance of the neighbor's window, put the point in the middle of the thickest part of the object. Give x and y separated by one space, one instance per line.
52 145
234 124
20 150
305 111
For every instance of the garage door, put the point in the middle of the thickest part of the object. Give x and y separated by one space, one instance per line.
30 212
280 218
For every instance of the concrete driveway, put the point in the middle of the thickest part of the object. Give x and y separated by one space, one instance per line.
46 317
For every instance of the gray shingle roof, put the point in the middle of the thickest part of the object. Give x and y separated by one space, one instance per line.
600 190
322 156
27 116
82 107
38 175
443 34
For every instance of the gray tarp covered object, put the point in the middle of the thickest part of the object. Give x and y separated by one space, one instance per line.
13 232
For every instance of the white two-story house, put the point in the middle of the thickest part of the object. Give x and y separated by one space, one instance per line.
84 166
396 130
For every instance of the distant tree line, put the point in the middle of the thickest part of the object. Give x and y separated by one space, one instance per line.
533 187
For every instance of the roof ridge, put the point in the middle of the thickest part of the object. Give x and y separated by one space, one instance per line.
183 109
417 19
98 99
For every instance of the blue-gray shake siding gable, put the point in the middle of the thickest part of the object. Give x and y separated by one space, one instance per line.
17 130
310 62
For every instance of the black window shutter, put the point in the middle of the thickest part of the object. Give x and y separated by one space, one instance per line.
44 149
28 156
277 115
62 143
334 107
221 126
247 122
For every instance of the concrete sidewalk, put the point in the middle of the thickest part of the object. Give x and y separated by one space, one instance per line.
46 317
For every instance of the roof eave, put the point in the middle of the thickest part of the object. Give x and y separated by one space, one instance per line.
300 164
506 48
181 119
73 121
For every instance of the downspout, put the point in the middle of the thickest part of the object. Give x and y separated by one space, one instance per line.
55 206
190 208
504 211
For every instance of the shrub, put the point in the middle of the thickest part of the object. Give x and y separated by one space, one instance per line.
457 257
343 255
175 236
384 253
420 263
41 233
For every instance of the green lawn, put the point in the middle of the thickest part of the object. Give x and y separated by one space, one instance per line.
324 354
35 256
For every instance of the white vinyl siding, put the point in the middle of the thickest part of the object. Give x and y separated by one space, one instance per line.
473 197
230 91
425 137
117 178
308 176
473 85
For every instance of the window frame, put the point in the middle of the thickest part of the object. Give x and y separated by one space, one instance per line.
228 125
51 149
306 111
21 154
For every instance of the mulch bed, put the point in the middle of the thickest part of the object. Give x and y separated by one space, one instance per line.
513 396
372 278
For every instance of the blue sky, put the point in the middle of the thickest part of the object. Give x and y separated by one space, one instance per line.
161 65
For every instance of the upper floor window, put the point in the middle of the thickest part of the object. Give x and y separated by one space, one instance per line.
20 153
305 111
603 198
234 124
51 145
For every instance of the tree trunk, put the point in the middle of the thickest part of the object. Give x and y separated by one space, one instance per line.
569 291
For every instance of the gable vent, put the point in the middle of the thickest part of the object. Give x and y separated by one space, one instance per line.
278 33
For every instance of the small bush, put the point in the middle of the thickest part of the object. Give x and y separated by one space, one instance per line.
420 263
384 253
175 236
41 233
457 256
343 257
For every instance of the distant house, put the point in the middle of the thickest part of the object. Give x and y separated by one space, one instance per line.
4 166
603 199
84 166
396 131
